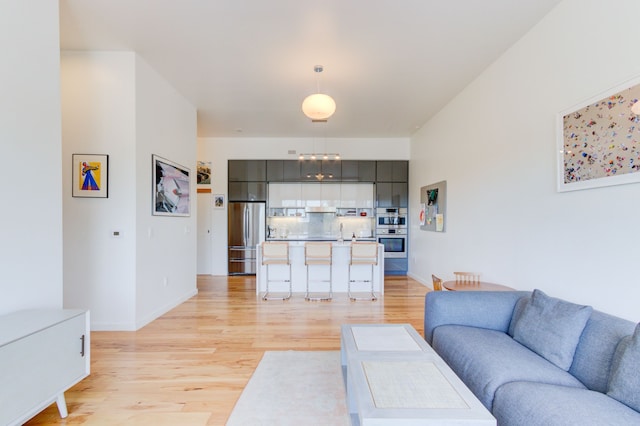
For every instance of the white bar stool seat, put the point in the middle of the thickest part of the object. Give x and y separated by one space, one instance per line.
318 254
276 253
362 254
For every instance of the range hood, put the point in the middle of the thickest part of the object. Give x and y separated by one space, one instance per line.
320 209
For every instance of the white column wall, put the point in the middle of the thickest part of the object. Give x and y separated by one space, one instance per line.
30 147
98 99
220 150
166 246
495 145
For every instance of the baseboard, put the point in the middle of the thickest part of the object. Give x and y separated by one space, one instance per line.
130 326
420 279
159 312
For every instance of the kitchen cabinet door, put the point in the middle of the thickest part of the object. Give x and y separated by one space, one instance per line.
309 169
330 194
275 171
358 171
356 195
291 171
247 170
312 194
364 195
287 195
392 171
331 169
392 194
247 191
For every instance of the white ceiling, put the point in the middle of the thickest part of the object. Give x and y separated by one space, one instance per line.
247 64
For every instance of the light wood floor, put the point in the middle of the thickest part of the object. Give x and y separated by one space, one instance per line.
189 366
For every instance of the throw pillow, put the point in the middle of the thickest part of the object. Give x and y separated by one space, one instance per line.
624 383
551 327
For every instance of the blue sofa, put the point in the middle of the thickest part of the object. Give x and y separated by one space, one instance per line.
536 360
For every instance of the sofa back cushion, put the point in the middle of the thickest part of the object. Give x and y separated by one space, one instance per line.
551 327
594 354
624 384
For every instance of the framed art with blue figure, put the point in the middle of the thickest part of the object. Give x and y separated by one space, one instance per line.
90 175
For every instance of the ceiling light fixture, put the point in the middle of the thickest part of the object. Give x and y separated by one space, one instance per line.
318 107
315 156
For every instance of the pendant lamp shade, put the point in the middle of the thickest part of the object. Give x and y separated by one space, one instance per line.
318 107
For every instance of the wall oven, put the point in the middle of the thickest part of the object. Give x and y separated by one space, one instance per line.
394 242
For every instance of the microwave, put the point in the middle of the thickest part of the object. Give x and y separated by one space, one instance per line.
391 218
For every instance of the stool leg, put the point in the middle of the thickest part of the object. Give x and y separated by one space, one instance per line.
373 297
308 296
266 294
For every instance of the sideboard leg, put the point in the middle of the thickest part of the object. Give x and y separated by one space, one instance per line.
62 406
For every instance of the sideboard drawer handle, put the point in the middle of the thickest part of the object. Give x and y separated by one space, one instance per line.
82 347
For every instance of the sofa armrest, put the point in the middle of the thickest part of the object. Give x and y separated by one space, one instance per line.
485 309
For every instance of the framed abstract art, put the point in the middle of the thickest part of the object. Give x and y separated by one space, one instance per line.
599 140
90 175
171 188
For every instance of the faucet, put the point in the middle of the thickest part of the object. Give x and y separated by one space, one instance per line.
340 238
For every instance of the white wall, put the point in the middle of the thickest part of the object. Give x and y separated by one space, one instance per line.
114 104
220 150
166 246
30 147
98 117
495 145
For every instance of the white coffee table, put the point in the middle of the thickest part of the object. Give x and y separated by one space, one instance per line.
393 377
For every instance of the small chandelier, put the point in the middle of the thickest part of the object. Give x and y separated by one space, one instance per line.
318 107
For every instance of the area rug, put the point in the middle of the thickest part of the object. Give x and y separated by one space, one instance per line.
294 388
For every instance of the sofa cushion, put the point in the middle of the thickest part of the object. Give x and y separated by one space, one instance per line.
539 404
517 312
486 359
624 384
551 327
594 354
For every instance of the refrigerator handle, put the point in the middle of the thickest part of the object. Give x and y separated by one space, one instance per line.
246 225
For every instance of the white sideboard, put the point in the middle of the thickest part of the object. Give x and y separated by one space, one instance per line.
43 353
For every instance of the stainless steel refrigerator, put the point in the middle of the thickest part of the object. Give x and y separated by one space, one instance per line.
246 224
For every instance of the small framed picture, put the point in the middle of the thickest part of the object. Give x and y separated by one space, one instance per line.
90 175
218 201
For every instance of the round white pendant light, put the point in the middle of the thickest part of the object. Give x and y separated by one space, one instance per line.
318 107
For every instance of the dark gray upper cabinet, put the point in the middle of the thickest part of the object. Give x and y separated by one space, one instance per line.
392 171
275 170
247 170
309 169
358 171
291 170
392 194
330 170
247 191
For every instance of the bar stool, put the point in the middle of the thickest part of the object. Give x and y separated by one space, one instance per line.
276 253
318 254
365 253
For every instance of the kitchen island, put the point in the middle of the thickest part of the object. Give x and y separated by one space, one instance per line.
341 253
